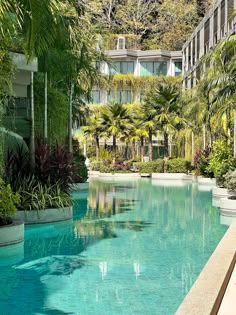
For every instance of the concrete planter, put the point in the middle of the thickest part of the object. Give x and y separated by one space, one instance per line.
228 207
171 176
45 216
79 186
226 220
218 192
12 233
206 181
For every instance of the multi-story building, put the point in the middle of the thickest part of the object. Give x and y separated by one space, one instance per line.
215 26
137 63
17 115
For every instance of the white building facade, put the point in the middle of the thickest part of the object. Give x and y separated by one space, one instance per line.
215 26
136 63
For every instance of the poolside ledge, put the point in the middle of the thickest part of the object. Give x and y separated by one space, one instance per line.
207 292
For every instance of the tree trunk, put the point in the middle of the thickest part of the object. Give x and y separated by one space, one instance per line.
114 148
46 106
142 147
126 150
166 144
32 127
193 150
150 144
235 134
204 136
97 148
70 117
133 149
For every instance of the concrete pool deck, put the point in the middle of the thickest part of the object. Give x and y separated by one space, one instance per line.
214 290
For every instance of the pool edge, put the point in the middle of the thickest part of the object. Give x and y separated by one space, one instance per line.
207 292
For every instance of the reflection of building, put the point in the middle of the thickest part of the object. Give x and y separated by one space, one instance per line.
17 115
216 25
137 63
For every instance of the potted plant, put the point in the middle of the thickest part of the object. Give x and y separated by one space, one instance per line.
11 231
228 204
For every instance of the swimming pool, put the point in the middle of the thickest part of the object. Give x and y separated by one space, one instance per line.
133 247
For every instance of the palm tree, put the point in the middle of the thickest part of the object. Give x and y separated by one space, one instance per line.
114 120
222 76
94 130
164 109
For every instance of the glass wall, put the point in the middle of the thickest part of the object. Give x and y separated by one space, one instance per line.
153 68
178 68
122 97
122 67
95 97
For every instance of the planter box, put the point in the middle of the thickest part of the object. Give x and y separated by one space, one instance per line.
127 175
79 186
226 220
45 216
219 192
206 181
216 202
228 207
12 233
171 176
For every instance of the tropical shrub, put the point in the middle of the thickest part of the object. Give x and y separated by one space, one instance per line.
156 166
52 165
230 183
220 177
220 157
177 166
35 195
201 162
8 203
80 169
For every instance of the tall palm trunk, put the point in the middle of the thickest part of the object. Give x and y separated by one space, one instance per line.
142 147
150 144
97 148
204 136
193 149
32 127
235 134
166 144
45 106
114 148
70 117
133 149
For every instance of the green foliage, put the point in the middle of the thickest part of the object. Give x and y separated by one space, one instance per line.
37 196
81 169
230 183
178 166
58 112
156 166
105 155
221 154
220 177
8 203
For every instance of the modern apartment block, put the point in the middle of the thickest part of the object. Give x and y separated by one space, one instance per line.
17 115
136 63
215 26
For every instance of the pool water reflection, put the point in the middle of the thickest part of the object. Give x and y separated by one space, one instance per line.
133 247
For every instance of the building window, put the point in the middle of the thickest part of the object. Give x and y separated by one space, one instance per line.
198 45
178 68
153 68
122 67
95 97
122 97
230 13
206 36
222 18
215 26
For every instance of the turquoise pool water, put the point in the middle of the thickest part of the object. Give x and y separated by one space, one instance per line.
133 247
